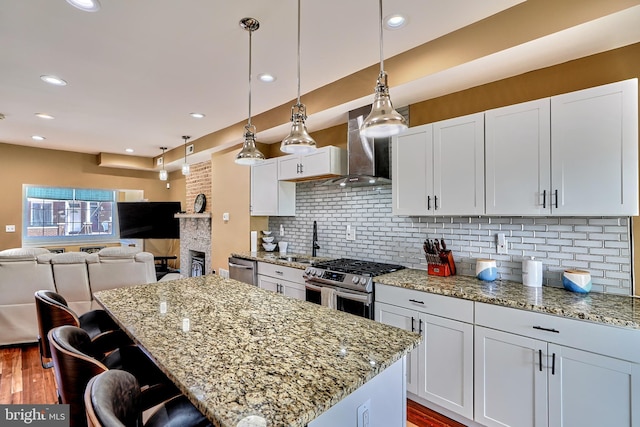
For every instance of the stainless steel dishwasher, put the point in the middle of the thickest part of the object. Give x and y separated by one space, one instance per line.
243 270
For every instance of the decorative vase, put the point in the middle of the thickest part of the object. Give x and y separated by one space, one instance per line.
486 270
577 281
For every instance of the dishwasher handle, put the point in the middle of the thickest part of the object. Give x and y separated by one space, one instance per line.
244 267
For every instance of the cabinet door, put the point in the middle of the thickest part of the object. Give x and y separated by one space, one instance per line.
446 364
594 150
289 167
294 290
264 188
510 380
408 320
412 173
316 163
587 389
268 283
458 166
518 159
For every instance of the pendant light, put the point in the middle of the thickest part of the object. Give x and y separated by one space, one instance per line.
186 170
249 155
163 172
299 141
383 120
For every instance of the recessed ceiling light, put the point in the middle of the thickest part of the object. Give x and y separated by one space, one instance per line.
44 116
53 80
86 5
38 138
129 150
395 21
197 115
266 77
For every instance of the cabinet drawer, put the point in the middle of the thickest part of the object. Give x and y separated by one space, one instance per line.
281 272
612 341
438 305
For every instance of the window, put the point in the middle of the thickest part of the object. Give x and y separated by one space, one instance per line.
56 215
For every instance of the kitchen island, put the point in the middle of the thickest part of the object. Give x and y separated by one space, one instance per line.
245 356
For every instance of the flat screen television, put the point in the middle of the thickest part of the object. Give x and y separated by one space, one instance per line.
148 220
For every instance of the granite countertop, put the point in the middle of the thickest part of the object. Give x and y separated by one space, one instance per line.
250 352
274 258
616 310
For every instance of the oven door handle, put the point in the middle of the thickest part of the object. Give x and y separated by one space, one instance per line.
312 287
352 296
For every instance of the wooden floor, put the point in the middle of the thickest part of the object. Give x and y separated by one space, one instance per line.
24 381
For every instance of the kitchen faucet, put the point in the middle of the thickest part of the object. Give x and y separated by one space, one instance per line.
314 245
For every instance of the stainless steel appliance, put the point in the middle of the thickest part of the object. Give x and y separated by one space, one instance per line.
243 270
351 281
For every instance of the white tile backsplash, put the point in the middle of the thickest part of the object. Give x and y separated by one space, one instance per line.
599 245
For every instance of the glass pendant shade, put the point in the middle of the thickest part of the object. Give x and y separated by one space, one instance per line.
249 155
163 172
298 141
186 170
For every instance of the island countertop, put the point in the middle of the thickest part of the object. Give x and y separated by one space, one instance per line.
615 310
249 352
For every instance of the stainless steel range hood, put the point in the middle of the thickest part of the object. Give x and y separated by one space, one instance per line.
369 158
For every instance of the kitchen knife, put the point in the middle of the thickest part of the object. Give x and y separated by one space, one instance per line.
444 245
437 246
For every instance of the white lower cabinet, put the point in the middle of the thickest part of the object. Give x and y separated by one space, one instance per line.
440 370
283 280
535 380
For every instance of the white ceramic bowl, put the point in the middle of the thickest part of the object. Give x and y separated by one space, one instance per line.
266 232
269 246
268 239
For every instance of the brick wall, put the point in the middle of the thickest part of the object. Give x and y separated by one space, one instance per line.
599 245
198 181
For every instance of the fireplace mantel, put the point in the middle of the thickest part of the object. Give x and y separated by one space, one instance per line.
193 215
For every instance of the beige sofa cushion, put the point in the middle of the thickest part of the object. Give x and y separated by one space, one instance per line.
72 279
117 268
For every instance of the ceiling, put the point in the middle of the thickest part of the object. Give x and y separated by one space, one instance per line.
136 69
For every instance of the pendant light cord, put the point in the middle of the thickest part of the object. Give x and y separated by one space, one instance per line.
381 54
249 124
298 52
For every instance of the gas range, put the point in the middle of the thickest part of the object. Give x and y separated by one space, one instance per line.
348 273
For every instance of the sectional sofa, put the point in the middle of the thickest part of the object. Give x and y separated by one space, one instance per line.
74 275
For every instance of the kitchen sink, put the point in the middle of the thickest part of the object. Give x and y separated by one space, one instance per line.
299 260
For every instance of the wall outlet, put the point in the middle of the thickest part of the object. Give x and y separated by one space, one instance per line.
224 273
281 230
190 149
501 243
10 228
364 414
225 216
159 161
351 232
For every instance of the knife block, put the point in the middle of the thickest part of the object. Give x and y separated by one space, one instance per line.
441 264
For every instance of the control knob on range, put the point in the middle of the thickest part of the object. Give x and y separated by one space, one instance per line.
363 281
355 280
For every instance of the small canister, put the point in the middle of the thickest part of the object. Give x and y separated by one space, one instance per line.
532 273
577 281
486 270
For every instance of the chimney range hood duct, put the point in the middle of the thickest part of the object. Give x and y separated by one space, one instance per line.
369 158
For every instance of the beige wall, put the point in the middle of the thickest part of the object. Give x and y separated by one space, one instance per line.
27 165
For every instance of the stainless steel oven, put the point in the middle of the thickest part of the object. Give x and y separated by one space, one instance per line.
348 283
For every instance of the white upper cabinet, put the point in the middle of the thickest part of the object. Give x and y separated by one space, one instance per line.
438 169
594 150
412 179
270 197
517 156
458 166
323 162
